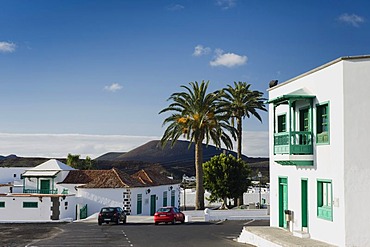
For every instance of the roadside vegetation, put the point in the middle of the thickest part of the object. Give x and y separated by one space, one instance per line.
226 177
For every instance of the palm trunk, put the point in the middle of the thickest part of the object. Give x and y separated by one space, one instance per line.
240 200
239 136
199 194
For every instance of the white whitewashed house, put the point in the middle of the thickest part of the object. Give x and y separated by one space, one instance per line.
319 153
54 191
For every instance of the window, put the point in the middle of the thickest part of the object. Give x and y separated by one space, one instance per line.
2 204
30 204
282 123
139 208
322 123
164 198
324 199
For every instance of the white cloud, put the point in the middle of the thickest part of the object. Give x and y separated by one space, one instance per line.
199 50
175 7
255 144
228 59
353 20
7 47
226 4
113 87
39 145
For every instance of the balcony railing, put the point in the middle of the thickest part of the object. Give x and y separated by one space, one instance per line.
294 142
42 191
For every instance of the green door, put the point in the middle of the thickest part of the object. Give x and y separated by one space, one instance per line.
304 202
45 187
152 204
283 201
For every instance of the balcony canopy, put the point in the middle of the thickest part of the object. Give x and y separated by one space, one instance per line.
38 174
295 95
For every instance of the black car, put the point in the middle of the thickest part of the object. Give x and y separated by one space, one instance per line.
112 214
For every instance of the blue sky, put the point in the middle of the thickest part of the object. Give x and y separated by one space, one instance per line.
98 68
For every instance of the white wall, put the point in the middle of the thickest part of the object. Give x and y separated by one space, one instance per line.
14 211
356 154
5 189
247 198
98 198
158 191
7 174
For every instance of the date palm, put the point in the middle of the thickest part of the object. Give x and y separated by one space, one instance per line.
196 115
242 102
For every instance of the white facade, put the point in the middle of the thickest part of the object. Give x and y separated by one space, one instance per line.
331 166
9 174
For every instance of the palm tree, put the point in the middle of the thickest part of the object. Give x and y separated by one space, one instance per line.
242 102
196 115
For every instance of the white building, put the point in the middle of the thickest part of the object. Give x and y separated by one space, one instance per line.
54 191
319 163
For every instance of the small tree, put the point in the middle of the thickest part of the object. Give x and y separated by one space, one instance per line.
225 177
75 162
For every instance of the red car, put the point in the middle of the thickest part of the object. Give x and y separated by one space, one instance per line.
168 214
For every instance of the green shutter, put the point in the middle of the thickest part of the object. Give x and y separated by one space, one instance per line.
322 123
172 198
2 204
30 204
139 204
164 198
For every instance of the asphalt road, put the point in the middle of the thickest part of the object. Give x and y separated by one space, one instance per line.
132 234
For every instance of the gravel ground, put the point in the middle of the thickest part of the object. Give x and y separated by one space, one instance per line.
12 234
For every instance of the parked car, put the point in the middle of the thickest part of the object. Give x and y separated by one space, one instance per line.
112 214
168 214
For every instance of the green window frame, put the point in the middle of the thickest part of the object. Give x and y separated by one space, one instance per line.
30 204
322 123
164 198
325 199
281 123
139 204
2 204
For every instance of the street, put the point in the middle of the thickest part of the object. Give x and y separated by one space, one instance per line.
132 234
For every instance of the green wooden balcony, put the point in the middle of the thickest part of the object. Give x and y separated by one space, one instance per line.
42 191
293 143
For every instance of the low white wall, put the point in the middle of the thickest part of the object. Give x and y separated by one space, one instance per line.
237 214
249 198
15 212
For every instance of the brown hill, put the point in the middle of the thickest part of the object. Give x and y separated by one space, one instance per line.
177 160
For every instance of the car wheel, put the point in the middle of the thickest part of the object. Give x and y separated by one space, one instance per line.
173 221
124 220
99 223
155 223
117 221
182 222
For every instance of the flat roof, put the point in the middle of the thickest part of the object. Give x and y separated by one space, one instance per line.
320 68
